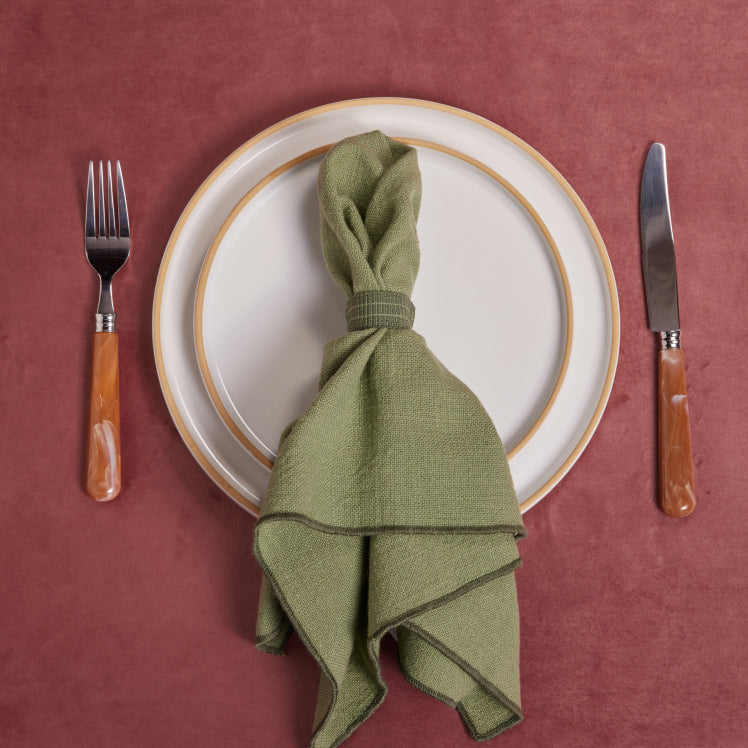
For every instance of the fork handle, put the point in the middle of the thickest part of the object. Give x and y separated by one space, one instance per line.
103 464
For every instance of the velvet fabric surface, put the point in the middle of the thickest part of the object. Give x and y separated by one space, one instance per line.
131 623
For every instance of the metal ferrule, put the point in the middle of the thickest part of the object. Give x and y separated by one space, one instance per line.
106 322
670 339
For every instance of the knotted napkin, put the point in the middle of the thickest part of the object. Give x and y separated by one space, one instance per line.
390 505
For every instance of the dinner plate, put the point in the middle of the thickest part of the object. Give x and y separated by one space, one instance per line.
541 289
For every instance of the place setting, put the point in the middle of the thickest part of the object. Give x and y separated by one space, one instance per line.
387 328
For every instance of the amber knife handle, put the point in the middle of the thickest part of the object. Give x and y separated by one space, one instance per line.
103 463
677 496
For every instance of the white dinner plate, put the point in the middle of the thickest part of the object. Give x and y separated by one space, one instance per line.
508 255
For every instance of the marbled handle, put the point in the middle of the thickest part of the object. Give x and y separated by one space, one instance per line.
103 469
677 497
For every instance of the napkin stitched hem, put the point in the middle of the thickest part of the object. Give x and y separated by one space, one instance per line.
491 733
474 732
423 687
356 723
353 725
478 679
518 531
432 604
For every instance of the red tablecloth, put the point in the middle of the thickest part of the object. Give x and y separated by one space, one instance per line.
131 623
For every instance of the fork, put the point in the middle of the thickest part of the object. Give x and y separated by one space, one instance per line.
107 248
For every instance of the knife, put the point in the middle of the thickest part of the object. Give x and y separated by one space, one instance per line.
677 497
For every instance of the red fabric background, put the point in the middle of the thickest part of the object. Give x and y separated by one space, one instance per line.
130 623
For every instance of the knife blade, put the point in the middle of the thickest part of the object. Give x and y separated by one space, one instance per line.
677 497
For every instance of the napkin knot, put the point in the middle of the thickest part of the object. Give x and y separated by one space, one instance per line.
377 308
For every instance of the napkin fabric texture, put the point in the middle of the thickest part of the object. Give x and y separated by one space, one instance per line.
390 505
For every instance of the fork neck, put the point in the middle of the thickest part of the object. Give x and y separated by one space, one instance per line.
106 319
106 322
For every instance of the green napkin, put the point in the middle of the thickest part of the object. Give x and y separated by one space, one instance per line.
390 505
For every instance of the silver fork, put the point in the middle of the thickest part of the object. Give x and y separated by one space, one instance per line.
107 246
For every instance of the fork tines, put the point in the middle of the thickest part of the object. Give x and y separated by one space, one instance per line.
111 228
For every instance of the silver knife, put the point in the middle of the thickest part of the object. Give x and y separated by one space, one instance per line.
676 492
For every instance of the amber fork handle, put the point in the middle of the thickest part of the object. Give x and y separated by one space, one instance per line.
103 462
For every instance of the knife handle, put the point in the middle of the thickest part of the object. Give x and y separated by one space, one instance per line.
103 465
677 497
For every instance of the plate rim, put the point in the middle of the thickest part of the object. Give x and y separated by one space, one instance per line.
607 267
215 247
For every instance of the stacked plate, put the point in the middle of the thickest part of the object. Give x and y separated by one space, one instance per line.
515 294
